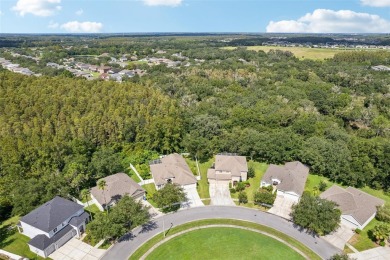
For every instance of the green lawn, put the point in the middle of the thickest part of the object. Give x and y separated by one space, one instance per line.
362 241
260 169
14 242
147 245
223 243
92 210
203 185
150 190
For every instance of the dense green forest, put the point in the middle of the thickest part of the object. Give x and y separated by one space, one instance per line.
58 135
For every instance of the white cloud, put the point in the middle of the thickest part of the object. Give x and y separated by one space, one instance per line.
329 21
376 3
37 7
80 12
53 25
82 27
172 3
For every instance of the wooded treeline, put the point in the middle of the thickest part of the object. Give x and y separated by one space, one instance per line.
59 135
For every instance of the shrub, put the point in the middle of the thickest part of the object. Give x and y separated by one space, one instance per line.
358 231
240 186
322 186
251 172
382 243
383 213
264 196
232 190
242 197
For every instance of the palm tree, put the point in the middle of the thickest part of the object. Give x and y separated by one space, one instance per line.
102 186
85 194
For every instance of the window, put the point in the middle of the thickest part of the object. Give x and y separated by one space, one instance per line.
55 230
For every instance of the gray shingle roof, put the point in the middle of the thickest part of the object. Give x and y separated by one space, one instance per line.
76 221
51 214
172 167
231 163
360 205
118 185
42 241
292 176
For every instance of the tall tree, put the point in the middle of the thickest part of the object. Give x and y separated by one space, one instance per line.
169 197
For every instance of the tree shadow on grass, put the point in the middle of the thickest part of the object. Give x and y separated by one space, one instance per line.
5 232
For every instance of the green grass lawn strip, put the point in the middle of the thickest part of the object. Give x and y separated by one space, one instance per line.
147 245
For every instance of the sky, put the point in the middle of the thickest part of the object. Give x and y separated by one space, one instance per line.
135 16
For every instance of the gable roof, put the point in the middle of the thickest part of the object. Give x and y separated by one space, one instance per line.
42 241
360 205
117 185
51 214
231 163
172 167
292 176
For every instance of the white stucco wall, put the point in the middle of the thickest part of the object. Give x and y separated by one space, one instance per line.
37 251
31 231
189 186
351 220
97 203
289 194
244 176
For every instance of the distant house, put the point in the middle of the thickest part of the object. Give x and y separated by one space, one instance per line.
51 225
228 167
289 179
357 207
380 68
104 76
123 59
128 73
117 186
172 169
104 69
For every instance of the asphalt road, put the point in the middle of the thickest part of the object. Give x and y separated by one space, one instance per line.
128 244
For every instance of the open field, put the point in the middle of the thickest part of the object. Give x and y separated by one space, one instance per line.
223 243
299 52
146 246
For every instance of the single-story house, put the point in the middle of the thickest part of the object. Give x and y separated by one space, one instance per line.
357 207
117 186
289 179
53 224
228 167
172 169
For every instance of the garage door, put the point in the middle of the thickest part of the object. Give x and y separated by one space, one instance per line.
66 238
50 249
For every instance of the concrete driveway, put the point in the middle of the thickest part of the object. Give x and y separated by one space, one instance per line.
220 193
282 206
193 198
76 249
378 253
341 236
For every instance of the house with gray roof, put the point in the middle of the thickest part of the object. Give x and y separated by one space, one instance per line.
172 169
228 167
53 224
289 179
117 186
357 207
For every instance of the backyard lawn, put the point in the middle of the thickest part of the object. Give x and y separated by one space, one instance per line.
14 242
92 210
223 243
260 169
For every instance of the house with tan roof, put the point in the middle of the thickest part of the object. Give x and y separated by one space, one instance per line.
289 179
357 207
228 167
172 169
117 186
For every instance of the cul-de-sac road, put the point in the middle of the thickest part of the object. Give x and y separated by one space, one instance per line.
122 250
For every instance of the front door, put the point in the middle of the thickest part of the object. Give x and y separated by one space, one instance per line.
81 229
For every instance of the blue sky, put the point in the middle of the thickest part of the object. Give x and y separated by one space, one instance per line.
112 16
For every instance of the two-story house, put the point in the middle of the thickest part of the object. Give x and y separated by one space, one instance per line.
53 224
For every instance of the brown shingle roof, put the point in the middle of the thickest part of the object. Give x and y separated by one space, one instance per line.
118 185
172 167
231 163
292 176
360 205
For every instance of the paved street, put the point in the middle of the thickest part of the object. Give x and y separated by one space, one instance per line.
123 249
